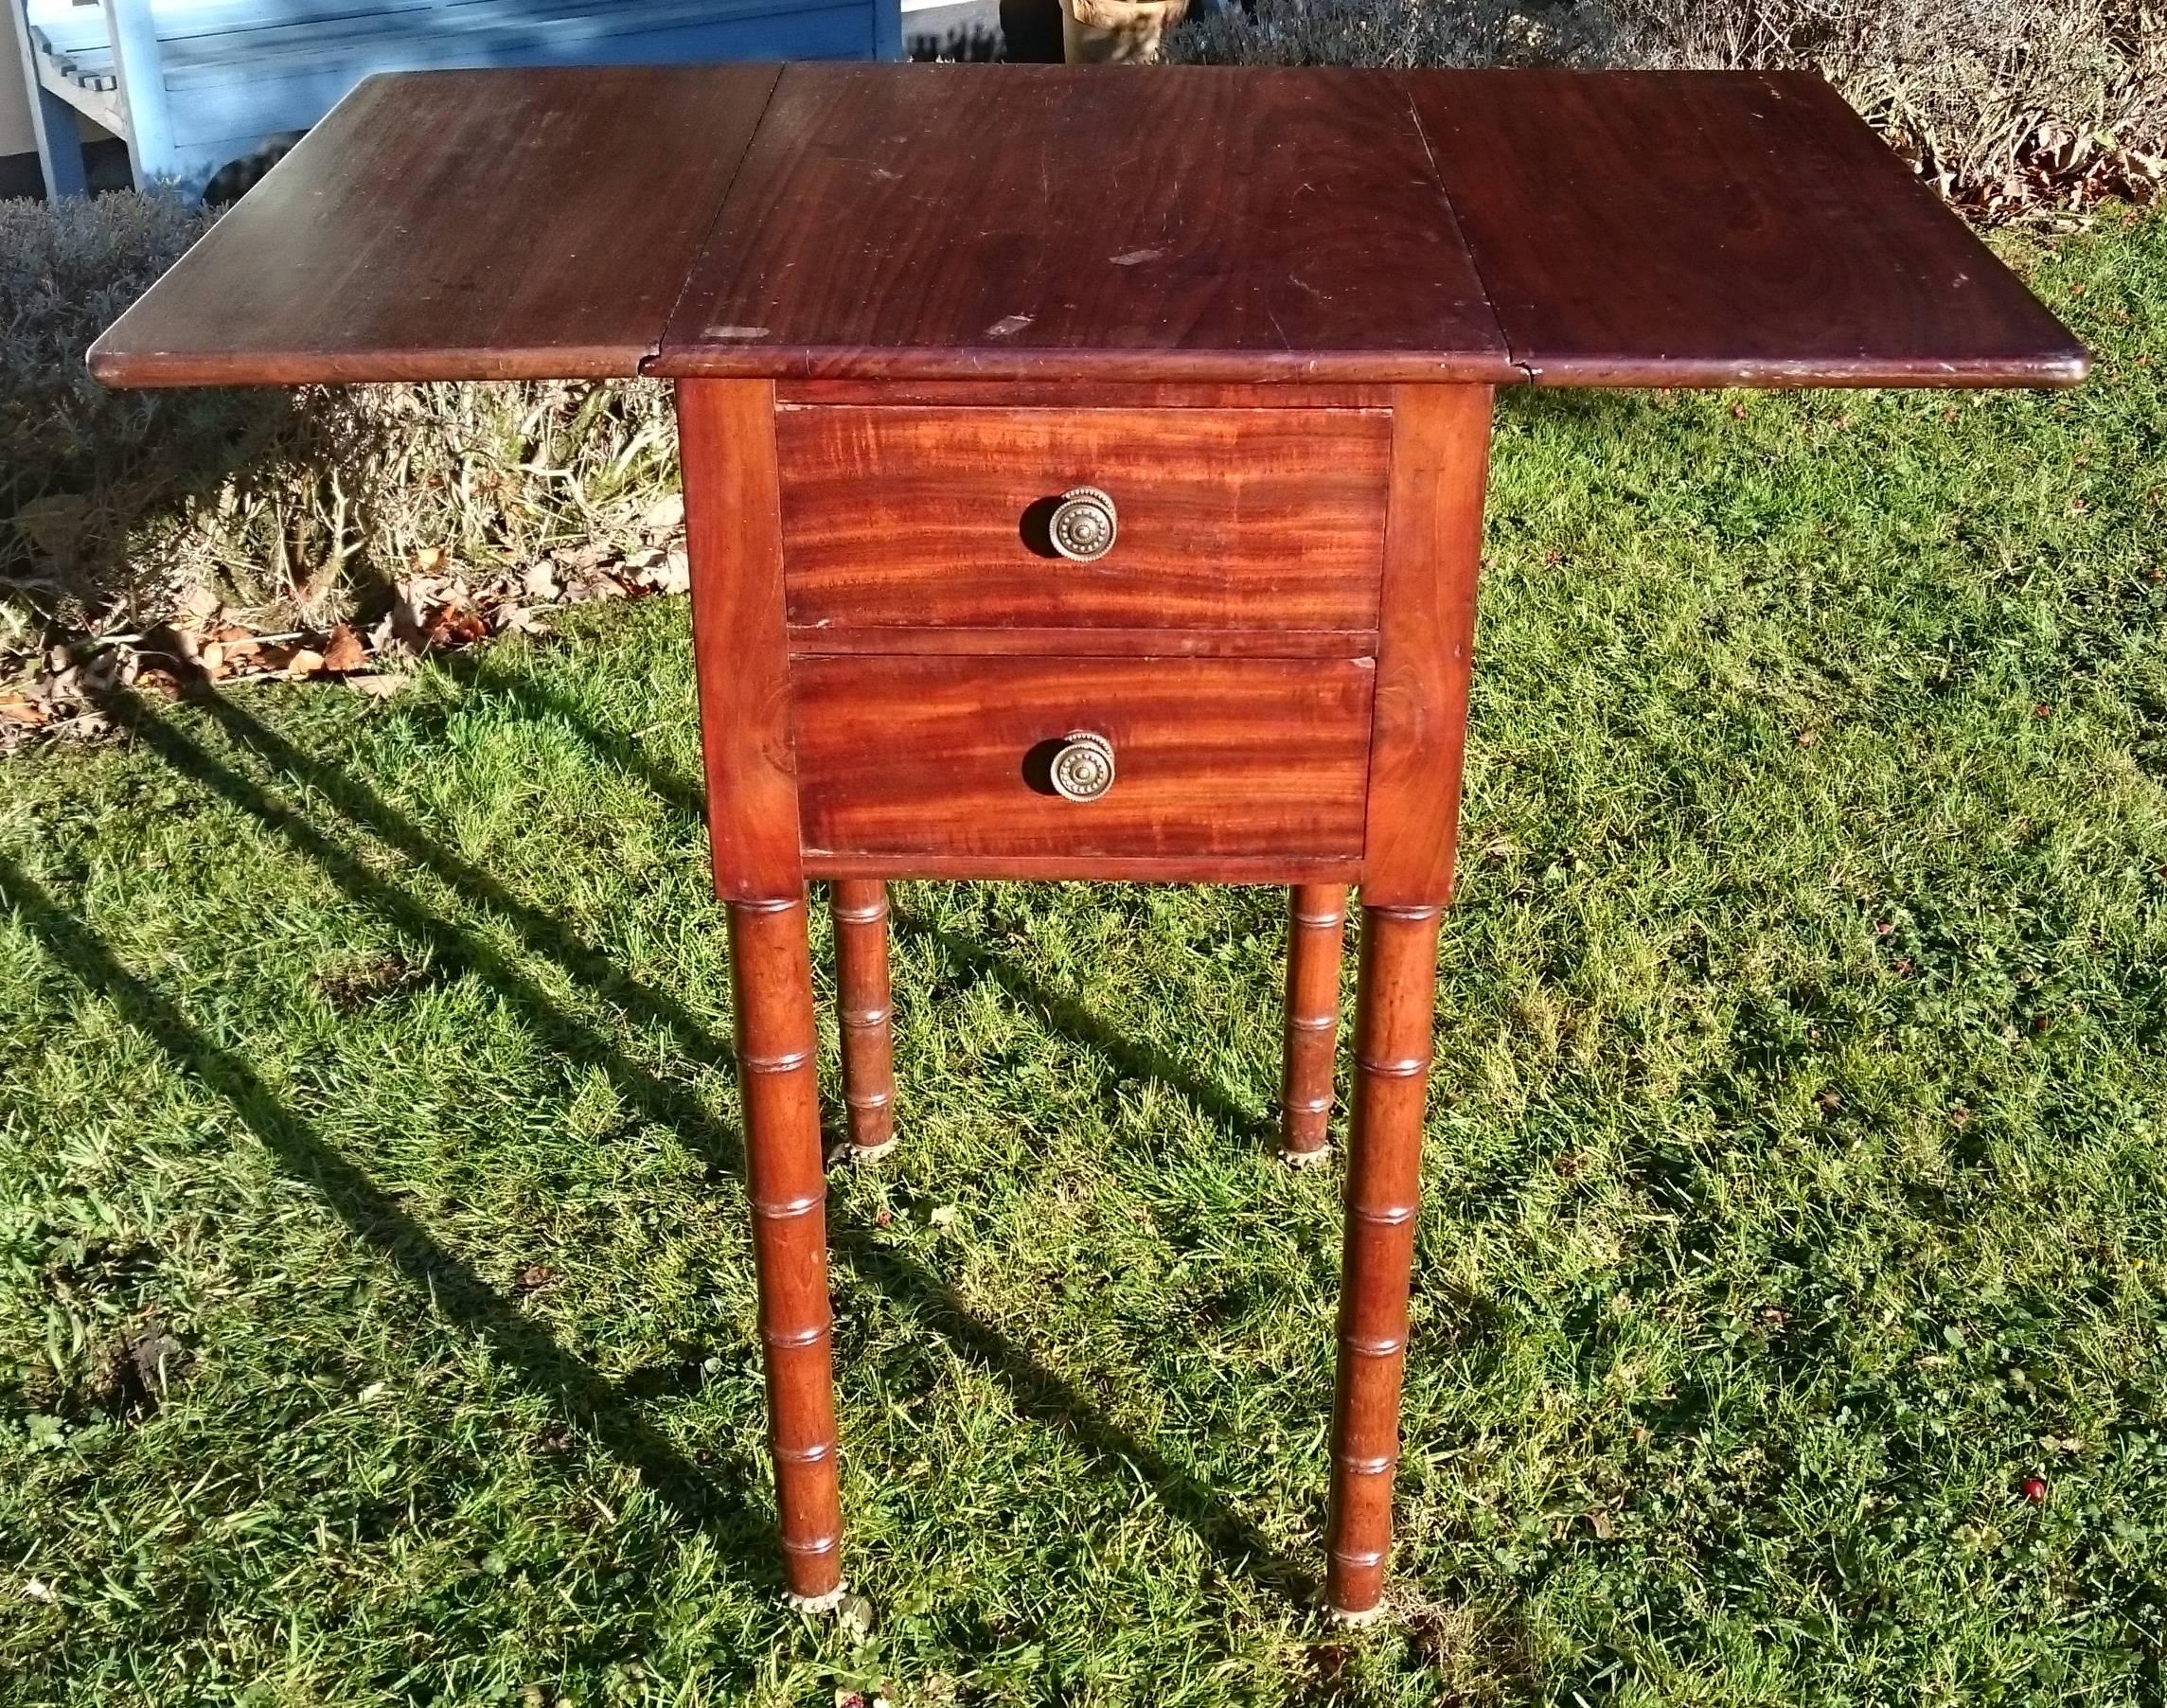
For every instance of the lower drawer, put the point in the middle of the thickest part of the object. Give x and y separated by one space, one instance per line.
957 757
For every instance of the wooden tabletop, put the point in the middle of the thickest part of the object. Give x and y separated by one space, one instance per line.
456 225
1157 223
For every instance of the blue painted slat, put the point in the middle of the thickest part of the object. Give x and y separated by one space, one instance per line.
469 20
255 31
67 25
267 107
232 74
52 120
273 33
244 29
177 20
180 22
71 35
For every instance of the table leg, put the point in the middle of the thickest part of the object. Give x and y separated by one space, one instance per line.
1318 913
1396 992
771 973
868 1047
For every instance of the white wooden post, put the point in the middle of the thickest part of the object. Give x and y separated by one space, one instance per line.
134 32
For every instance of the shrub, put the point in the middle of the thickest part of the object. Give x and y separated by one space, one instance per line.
1403 32
292 509
2002 103
74 460
1974 90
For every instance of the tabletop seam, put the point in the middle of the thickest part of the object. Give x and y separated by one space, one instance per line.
1459 232
698 251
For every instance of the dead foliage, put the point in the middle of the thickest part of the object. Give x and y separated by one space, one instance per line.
2011 108
164 538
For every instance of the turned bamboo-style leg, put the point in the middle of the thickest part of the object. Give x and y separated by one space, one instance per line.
771 972
868 1048
1315 918
1396 992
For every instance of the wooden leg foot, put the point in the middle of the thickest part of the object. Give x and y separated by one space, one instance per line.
868 1045
1314 928
1396 994
771 974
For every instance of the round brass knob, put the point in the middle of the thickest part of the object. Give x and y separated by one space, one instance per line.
1083 769
1083 525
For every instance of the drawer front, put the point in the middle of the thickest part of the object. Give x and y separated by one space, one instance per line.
1259 519
952 756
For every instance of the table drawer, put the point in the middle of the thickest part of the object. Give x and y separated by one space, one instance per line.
956 756
1250 519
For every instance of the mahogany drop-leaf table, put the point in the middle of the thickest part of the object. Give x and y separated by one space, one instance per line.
1084 478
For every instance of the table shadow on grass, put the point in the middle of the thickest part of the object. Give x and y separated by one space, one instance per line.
302 1155
1242 1549
1131 1058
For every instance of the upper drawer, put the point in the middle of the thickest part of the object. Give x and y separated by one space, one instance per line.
1262 519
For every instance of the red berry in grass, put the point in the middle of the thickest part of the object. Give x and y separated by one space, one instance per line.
2033 1489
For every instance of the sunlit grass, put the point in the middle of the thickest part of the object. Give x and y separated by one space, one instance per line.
1797 1186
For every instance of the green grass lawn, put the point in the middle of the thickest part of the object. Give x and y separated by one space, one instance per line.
1796 1184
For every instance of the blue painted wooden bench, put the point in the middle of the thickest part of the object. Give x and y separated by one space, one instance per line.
196 85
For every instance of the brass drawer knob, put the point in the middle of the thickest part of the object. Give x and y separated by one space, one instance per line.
1083 525
1083 769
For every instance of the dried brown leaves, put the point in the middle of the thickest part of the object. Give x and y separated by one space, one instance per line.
438 606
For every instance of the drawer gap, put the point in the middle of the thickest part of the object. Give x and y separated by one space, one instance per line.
846 640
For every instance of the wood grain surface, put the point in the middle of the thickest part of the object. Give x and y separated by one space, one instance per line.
945 756
1394 1019
456 225
1719 228
1433 543
770 983
865 1011
1175 223
727 435
1096 868
1090 227
1316 921
1255 518
1097 642
1083 394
